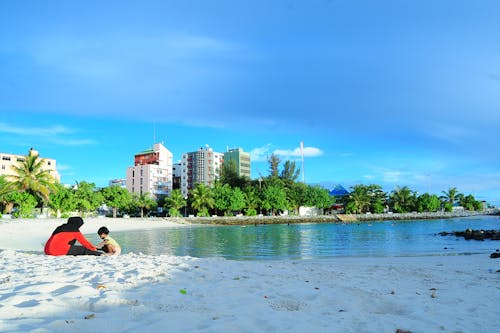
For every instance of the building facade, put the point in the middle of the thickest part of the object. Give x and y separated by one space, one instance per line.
200 167
9 161
241 159
151 173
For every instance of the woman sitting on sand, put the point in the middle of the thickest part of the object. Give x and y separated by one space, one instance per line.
108 244
63 239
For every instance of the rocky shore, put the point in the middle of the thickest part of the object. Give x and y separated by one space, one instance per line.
339 218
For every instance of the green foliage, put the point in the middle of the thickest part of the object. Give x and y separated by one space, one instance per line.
5 189
318 197
237 200
203 199
469 202
290 172
447 206
274 162
24 204
174 212
358 201
222 197
62 200
87 198
450 196
428 203
403 200
250 212
141 201
274 197
31 178
117 198
252 198
175 202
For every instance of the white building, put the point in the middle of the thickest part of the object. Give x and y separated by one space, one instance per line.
9 161
200 167
152 172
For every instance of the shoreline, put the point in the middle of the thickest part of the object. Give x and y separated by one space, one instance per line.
334 218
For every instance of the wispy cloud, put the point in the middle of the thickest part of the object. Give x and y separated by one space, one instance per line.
73 142
35 131
261 154
55 134
296 152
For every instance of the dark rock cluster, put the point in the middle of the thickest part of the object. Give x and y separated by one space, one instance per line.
479 235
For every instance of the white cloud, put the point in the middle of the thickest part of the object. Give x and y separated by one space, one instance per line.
56 134
35 131
308 152
261 154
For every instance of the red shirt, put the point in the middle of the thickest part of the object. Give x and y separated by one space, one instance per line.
59 243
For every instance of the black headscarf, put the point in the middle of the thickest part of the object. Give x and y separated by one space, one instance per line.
74 223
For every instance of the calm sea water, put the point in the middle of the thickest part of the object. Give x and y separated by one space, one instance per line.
301 241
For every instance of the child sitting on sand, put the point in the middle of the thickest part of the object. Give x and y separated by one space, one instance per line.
108 244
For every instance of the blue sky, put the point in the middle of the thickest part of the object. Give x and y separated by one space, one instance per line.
388 92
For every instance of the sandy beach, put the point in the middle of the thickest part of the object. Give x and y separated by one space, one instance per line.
142 293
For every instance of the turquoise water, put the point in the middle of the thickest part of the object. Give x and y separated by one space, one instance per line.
302 241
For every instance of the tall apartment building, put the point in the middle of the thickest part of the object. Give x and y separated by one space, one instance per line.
152 172
202 166
241 159
9 161
177 175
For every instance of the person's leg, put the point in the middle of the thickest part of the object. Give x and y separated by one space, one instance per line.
78 250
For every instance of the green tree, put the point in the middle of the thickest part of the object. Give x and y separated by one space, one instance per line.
319 197
290 172
468 202
274 197
116 197
5 189
237 200
203 199
142 201
30 177
62 200
24 203
86 197
274 162
175 202
299 194
358 200
402 199
222 198
450 196
428 203
252 200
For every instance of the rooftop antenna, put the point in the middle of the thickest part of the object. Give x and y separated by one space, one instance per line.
302 155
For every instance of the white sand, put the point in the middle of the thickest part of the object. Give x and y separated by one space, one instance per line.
136 293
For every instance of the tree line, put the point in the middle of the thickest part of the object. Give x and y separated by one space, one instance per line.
31 187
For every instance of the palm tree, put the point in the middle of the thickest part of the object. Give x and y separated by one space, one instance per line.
31 177
358 200
451 195
203 199
403 199
5 189
174 202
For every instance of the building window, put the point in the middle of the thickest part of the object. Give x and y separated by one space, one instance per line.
6 158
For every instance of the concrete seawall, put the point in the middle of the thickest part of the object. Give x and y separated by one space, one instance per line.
336 218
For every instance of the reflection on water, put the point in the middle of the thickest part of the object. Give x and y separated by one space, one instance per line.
299 241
